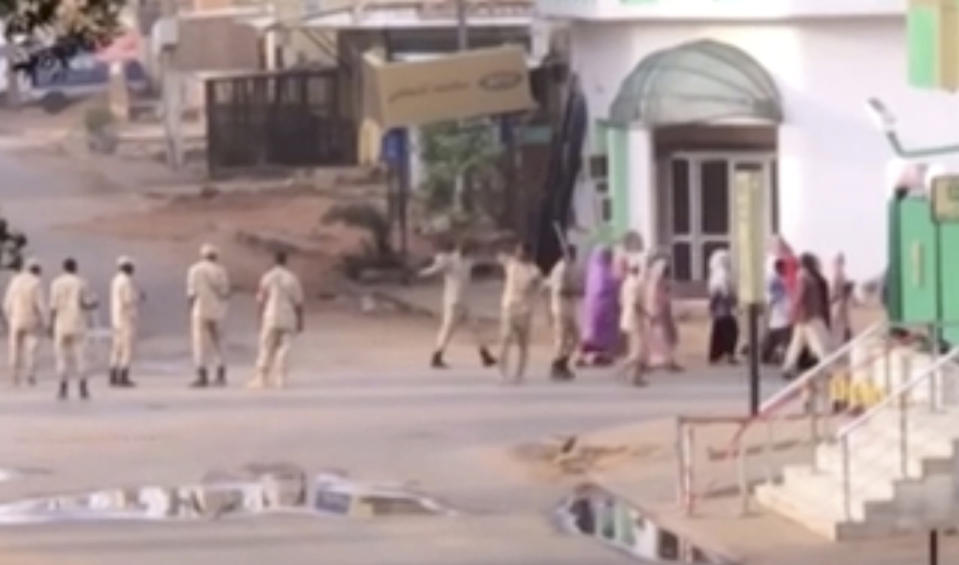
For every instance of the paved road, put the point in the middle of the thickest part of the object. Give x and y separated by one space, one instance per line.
362 405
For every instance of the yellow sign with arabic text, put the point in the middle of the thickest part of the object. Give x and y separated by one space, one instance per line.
750 233
945 198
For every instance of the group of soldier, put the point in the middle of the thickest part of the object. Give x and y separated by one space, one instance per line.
523 285
66 319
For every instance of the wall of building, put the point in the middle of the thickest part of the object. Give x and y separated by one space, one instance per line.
832 159
730 10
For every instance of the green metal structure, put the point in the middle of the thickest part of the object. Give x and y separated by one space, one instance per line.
922 284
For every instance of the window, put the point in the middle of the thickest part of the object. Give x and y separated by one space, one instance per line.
774 196
680 183
714 204
682 261
599 174
606 210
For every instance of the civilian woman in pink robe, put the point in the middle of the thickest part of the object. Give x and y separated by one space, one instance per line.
661 331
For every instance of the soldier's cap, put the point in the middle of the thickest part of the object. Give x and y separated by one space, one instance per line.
208 250
124 260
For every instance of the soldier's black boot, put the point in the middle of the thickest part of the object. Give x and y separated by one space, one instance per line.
221 376
84 392
114 376
556 371
436 361
64 392
123 379
486 357
201 379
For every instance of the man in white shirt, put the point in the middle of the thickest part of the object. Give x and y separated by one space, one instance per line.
280 297
125 300
208 290
456 266
564 287
521 285
70 302
25 308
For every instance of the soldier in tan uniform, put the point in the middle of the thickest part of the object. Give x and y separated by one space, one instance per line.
564 287
632 322
280 297
456 266
125 299
70 303
25 308
208 290
520 288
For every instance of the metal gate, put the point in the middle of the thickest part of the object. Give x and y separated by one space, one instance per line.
276 120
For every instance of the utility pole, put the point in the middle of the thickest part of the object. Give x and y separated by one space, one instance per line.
9 50
462 31
171 91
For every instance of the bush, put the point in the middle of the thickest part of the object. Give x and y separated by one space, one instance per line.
367 217
97 119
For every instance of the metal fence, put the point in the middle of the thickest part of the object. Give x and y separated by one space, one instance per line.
277 120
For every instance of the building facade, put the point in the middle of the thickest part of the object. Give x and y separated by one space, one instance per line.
684 93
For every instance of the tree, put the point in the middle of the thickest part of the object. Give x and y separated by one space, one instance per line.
457 157
49 32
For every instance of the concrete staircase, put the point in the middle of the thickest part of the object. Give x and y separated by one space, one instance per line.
897 482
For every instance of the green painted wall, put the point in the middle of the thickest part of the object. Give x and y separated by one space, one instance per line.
619 185
922 26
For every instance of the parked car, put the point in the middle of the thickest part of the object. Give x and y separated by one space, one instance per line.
55 87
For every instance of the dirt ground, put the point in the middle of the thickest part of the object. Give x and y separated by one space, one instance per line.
230 220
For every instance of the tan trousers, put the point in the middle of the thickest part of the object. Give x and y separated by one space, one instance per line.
22 351
454 317
70 351
635 360
122 347
207 342
812 334
275 345
514 329
565 335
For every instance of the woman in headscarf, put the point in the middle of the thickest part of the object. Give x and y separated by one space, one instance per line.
601 309
782 251
841 295
722 308
661 334
811 317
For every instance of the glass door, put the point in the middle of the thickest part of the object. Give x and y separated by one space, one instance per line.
701 206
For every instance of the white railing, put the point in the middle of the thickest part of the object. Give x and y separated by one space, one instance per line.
769 411
898 401
782 407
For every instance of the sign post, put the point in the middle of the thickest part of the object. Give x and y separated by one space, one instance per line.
750 235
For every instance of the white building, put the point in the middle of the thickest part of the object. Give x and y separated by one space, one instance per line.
681 93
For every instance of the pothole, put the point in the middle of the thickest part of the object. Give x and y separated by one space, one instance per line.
255 491
595 512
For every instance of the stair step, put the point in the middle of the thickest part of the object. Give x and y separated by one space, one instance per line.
880 460
825 490
779 499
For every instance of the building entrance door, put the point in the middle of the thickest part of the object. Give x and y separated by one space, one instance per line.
701 200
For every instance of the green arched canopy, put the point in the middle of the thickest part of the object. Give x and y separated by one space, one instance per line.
697 82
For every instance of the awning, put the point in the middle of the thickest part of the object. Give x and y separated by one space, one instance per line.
699 82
